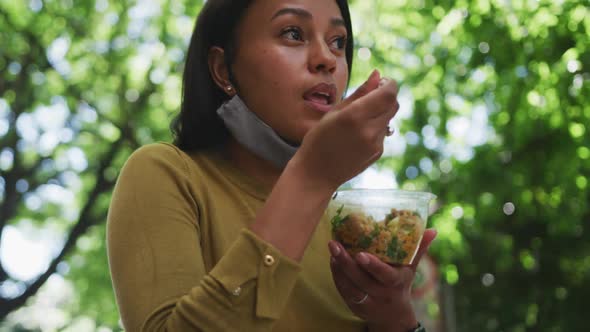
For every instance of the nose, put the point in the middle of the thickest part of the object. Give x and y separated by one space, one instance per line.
321 58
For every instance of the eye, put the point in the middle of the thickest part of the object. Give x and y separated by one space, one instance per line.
293 33
339 42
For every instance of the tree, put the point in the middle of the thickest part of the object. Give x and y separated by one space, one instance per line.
499 131
494 120
82 86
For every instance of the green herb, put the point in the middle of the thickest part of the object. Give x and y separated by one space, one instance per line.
365 242
375 231
392 248
394 252
338 220
401 255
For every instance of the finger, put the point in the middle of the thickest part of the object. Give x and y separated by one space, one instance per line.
376 102
379 127
360 278
382 120
427 238
370 84
385 274
386 80
350 293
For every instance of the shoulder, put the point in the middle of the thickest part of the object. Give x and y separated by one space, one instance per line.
158 150
156 158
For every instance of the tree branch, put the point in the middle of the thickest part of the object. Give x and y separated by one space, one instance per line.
85 220
87 216
11 197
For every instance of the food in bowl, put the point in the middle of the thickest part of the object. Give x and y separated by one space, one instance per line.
394 240
387 223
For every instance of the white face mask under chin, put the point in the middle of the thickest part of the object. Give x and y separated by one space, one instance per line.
258 137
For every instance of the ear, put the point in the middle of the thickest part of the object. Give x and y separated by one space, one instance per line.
219 71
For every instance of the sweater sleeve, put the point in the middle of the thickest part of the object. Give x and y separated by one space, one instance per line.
156 261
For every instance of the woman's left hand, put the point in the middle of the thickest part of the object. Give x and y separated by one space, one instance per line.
375 291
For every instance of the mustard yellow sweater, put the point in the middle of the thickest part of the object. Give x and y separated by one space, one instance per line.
182 258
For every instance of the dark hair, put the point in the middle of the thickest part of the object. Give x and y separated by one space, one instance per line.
198 126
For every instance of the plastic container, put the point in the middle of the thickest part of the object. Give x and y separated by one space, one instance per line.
387 223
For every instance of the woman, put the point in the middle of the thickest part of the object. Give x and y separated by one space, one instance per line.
223 231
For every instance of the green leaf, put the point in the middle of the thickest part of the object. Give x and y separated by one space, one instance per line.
337 219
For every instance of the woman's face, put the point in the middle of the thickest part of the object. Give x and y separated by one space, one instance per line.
290 64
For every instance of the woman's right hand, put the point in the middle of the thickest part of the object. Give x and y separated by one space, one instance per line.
348 140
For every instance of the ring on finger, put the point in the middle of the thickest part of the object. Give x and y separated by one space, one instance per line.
361 301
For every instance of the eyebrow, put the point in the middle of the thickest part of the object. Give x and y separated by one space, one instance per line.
335 21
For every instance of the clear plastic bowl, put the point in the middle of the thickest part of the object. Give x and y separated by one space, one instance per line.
387 223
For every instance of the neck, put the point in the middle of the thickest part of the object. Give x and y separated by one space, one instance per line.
251 164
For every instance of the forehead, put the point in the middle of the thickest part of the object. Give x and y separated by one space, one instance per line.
319 9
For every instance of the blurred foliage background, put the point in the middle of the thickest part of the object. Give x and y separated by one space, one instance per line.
494 120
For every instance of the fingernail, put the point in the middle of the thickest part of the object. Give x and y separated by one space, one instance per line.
429 245
373 73
362 258
334 249
383 81
433 237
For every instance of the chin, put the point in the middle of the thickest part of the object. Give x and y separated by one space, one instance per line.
304 129
296 135
293 138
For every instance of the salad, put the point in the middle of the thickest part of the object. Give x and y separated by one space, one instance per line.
394 239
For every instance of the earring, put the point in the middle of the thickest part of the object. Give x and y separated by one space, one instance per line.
229 88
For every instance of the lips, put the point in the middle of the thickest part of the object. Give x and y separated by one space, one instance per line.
321 97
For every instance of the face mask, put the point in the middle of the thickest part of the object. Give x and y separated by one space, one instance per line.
258 137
